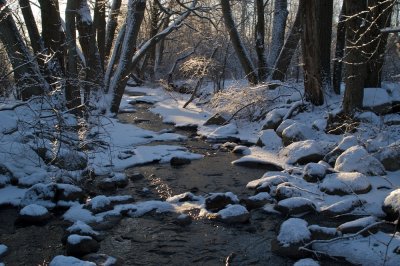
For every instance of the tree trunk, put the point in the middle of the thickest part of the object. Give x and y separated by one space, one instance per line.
133 21
100 27
260 36
114 57
339 50
28 79
72 93
312 53
87 40
237 43
111 26
356 60
278 31
379 18
325 40
154 18
289 48
33 32
52 33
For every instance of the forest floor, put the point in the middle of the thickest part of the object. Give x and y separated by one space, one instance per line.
168 189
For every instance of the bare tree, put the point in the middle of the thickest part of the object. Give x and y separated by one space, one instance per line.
99 23
111 26
339 50
260 40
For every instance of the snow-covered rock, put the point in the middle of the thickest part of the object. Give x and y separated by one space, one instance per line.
33 214
3 250
320 124
103 259
269 140
83 229
297 132
269 179
391 205
179 161
5 176
274 118
390 157
223 132
357 225
295 205
303 152
287 190
346 143
242 150
314 172
369 117
257 201
41 194
67 192
78 245
345 183
320 232
377 100
217 201
184 197
216 119
306 262
282 126
293 234
342 207
357 159
71 160
233 213
68 260
183 220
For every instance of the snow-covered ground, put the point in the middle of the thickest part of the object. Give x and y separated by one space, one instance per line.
290 135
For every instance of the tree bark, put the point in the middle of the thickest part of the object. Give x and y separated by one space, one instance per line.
72 93
154 18
33 32
289 48
312 53
52 33
111 26
355 58
100 27
278 30
339 50
133 21
28 78
87 40
237 43
325 40
260 36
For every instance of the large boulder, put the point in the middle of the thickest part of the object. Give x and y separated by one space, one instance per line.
357 159
274 118
295 205
40 194
344 144
269 140
345 183
391 205
303 152
297 132
282 126
314 172
357 225
390 157
342 207
287 190
233 213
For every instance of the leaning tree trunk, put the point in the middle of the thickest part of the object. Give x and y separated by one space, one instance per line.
289 48
355 58
100 27
379 18
87 40
237 43
28 79
111 26
33 32
72 92
339 50
312 53
133 21
52 33
278 30
260 36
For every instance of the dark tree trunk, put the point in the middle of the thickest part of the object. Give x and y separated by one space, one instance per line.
52 33
100 27
154 18
379 18
278 31
28 79
72 93
260 45
111 26
325 40
289 48
87 40
339 50
312 53
133 21
237 43
33 32
355 58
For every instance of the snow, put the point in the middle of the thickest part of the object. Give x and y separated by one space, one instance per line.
272 178
306 262
295 202
3 249
376 97
270 140
99 202
82 228
180 197
393 200
326 230
232 210
230 195
361 222
261 196
77 213
75 239
11 195
297 150
293 231
345 182
33 210
61 260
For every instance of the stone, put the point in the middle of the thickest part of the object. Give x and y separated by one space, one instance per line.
357 159
295 205
216 119
33 214
269 140
105 183
344 144
355 226
83 229
134 176
79 246
345 183
303 152
233 214
67 192
5 176
391 205
296 132
177 161
61 260
287 190
342 207
269 179
257 201
320 125
322 233
41 194
274 118
103 259
282 126
242 150
390 157
314 172
217 201
306 262
183 220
